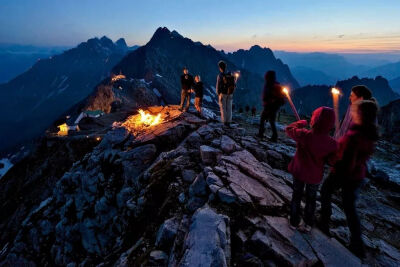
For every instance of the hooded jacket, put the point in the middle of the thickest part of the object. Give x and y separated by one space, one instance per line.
355 148
314 147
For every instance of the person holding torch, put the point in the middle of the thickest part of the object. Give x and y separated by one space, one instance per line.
273 99
358 93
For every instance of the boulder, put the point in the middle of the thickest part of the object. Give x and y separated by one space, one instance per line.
227 144
208 241
188 175
167 232
198 187
209 155
226 196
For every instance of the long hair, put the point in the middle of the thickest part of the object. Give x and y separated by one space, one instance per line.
368 111
362 91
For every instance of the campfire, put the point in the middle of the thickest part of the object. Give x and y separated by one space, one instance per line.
149 120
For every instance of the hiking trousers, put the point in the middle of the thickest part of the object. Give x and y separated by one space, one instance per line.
225 107
295 205
185 95
350 190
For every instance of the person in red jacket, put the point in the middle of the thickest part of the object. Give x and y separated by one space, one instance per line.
355 148
314 148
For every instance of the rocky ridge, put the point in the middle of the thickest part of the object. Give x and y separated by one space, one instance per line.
189 192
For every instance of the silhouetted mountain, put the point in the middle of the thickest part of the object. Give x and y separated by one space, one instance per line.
389 71
389 121
308 76
259 60
332 65
30 102
16 59
168 52
308 98
395 84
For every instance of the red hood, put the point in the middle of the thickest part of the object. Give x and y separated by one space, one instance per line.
323 120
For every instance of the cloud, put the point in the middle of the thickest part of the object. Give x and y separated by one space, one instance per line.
254 36
340 35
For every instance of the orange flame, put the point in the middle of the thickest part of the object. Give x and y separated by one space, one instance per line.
335 91
148 119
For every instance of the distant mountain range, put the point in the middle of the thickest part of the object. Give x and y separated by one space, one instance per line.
33 100
259 60
16 59
309 98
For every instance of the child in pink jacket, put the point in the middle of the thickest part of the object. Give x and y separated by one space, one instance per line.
314 148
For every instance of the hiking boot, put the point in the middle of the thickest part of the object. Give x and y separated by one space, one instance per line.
324 227
358 250
294 226
305 228
261 136
273 139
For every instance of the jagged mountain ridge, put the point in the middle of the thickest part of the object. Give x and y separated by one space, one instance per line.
168 52
33 100
259 60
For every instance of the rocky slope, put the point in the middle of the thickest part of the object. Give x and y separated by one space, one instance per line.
186 192
30 102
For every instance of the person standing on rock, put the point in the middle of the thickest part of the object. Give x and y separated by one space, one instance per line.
198 91
273 99
358 93
355 148
314 148
226 84
186 85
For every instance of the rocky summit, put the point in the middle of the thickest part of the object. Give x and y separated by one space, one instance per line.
186 191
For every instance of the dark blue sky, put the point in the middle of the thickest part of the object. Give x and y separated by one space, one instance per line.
295 25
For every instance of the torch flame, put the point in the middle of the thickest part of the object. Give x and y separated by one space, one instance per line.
335 91
148 119
285 90
237 74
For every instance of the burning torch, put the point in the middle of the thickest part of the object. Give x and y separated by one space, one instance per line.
286 92
236 74
335 95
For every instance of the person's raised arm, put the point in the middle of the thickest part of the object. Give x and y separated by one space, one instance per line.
296 130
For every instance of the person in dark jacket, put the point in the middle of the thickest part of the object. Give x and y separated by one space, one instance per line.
225 98
186 85
198 91
355 148
273 99
314 148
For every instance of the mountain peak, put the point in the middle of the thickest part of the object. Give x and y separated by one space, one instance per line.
121 43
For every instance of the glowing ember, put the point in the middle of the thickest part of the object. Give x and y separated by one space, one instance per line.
335 91
148 119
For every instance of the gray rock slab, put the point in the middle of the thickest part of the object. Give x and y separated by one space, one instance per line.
208 241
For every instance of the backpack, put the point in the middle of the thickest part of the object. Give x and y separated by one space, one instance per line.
229 83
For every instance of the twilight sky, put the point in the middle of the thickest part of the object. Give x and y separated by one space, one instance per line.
293 25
